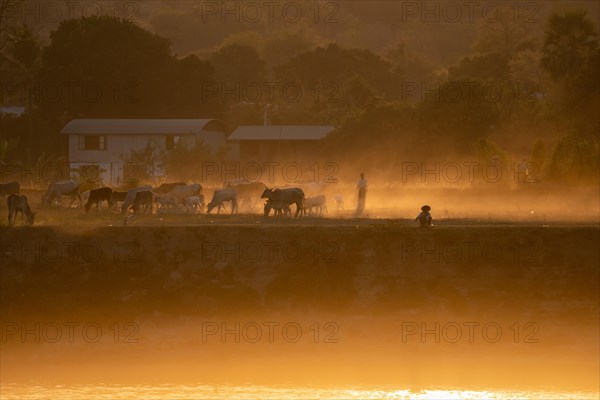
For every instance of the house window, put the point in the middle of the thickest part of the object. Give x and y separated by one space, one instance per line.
92 142
171 141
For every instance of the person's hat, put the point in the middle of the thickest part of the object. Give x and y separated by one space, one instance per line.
425 208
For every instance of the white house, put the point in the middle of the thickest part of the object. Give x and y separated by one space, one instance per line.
106 142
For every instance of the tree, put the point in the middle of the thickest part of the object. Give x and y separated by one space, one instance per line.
279 48
491 67
238 64
105 67
139 166
538 154
570 43
572 58
334 64
189 86
186 159
575 159
512 31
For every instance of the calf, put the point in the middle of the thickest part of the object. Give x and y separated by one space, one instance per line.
97 196
16 203
319 203
194 202
281 209
165 201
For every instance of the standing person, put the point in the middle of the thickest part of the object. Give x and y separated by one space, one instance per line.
362 187
339 200
522 171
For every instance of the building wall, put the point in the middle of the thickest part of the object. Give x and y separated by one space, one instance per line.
118 147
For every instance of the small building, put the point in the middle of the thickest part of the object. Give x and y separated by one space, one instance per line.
278 142
105 143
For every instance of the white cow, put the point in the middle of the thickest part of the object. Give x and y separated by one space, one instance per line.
62 188
181 192
220 196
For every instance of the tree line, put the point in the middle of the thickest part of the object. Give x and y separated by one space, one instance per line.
525 93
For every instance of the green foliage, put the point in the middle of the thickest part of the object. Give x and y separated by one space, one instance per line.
89 177
334 64
186 160
140 165
492 67
114 68
538 154
487 151
575 159
570 41
572 58
238 64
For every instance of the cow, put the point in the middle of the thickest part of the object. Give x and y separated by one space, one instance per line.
284 196
118 197
221 195
165 201
167 187
61 188
9 188
144 199
247 191
18 203
318 202
193 189
97 196
130 197
196 203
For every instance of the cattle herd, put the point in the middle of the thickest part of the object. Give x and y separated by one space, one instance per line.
167 196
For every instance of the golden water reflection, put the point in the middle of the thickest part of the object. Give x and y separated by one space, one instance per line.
176 392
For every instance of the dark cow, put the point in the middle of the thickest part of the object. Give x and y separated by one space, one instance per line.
117 197
145 200
167 187
18 203
97 196
284 197
220 196
130 197
9 188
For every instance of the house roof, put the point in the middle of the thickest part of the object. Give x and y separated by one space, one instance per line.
16 110
142 126
275 132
